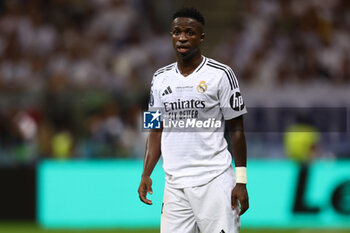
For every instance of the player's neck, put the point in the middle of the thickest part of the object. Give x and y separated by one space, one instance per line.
187 66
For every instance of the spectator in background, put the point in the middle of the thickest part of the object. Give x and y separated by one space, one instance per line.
301 142
62 145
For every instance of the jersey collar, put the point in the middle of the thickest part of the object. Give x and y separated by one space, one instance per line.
204 60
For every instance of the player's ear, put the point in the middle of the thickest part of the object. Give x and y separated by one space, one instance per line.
202 36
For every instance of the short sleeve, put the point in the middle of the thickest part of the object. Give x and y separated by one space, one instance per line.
230 97
154 103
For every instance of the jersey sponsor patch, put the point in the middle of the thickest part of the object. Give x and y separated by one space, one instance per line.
236 101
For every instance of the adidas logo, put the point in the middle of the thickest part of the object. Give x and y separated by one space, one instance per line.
222 231
167 91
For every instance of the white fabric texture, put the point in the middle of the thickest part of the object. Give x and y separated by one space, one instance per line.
202 209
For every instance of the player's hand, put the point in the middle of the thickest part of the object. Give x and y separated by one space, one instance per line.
144 188
239 198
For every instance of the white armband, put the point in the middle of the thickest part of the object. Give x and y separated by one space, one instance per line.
241 175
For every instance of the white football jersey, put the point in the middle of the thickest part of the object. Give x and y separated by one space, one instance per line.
193 157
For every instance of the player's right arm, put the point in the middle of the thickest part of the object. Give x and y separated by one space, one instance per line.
151 158
153 149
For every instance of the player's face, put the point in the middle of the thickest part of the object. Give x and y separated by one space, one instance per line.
187 36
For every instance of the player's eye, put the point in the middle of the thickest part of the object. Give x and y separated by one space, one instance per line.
190 33
176 32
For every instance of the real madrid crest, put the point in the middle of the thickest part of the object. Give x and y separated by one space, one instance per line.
202 87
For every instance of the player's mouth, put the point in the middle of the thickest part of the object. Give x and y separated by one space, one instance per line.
183 49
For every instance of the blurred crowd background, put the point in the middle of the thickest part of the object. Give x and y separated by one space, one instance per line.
75 74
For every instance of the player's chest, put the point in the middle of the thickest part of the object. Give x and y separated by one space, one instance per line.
193 88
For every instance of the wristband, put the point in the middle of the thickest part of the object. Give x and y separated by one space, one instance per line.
241 175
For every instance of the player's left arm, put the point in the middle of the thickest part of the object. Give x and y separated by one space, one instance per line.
239 193
232 108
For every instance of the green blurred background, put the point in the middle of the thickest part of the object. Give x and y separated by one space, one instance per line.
75 77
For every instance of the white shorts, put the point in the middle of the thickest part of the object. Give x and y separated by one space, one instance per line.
202 209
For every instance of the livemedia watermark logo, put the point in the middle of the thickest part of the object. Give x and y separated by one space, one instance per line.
176 118
153 119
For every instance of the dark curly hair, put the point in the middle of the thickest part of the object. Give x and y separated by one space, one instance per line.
189 13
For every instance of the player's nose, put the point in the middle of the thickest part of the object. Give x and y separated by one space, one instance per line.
182 37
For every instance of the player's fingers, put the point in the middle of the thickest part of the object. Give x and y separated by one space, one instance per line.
148 185
234 200
145 200
142 196
244 205
149 189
